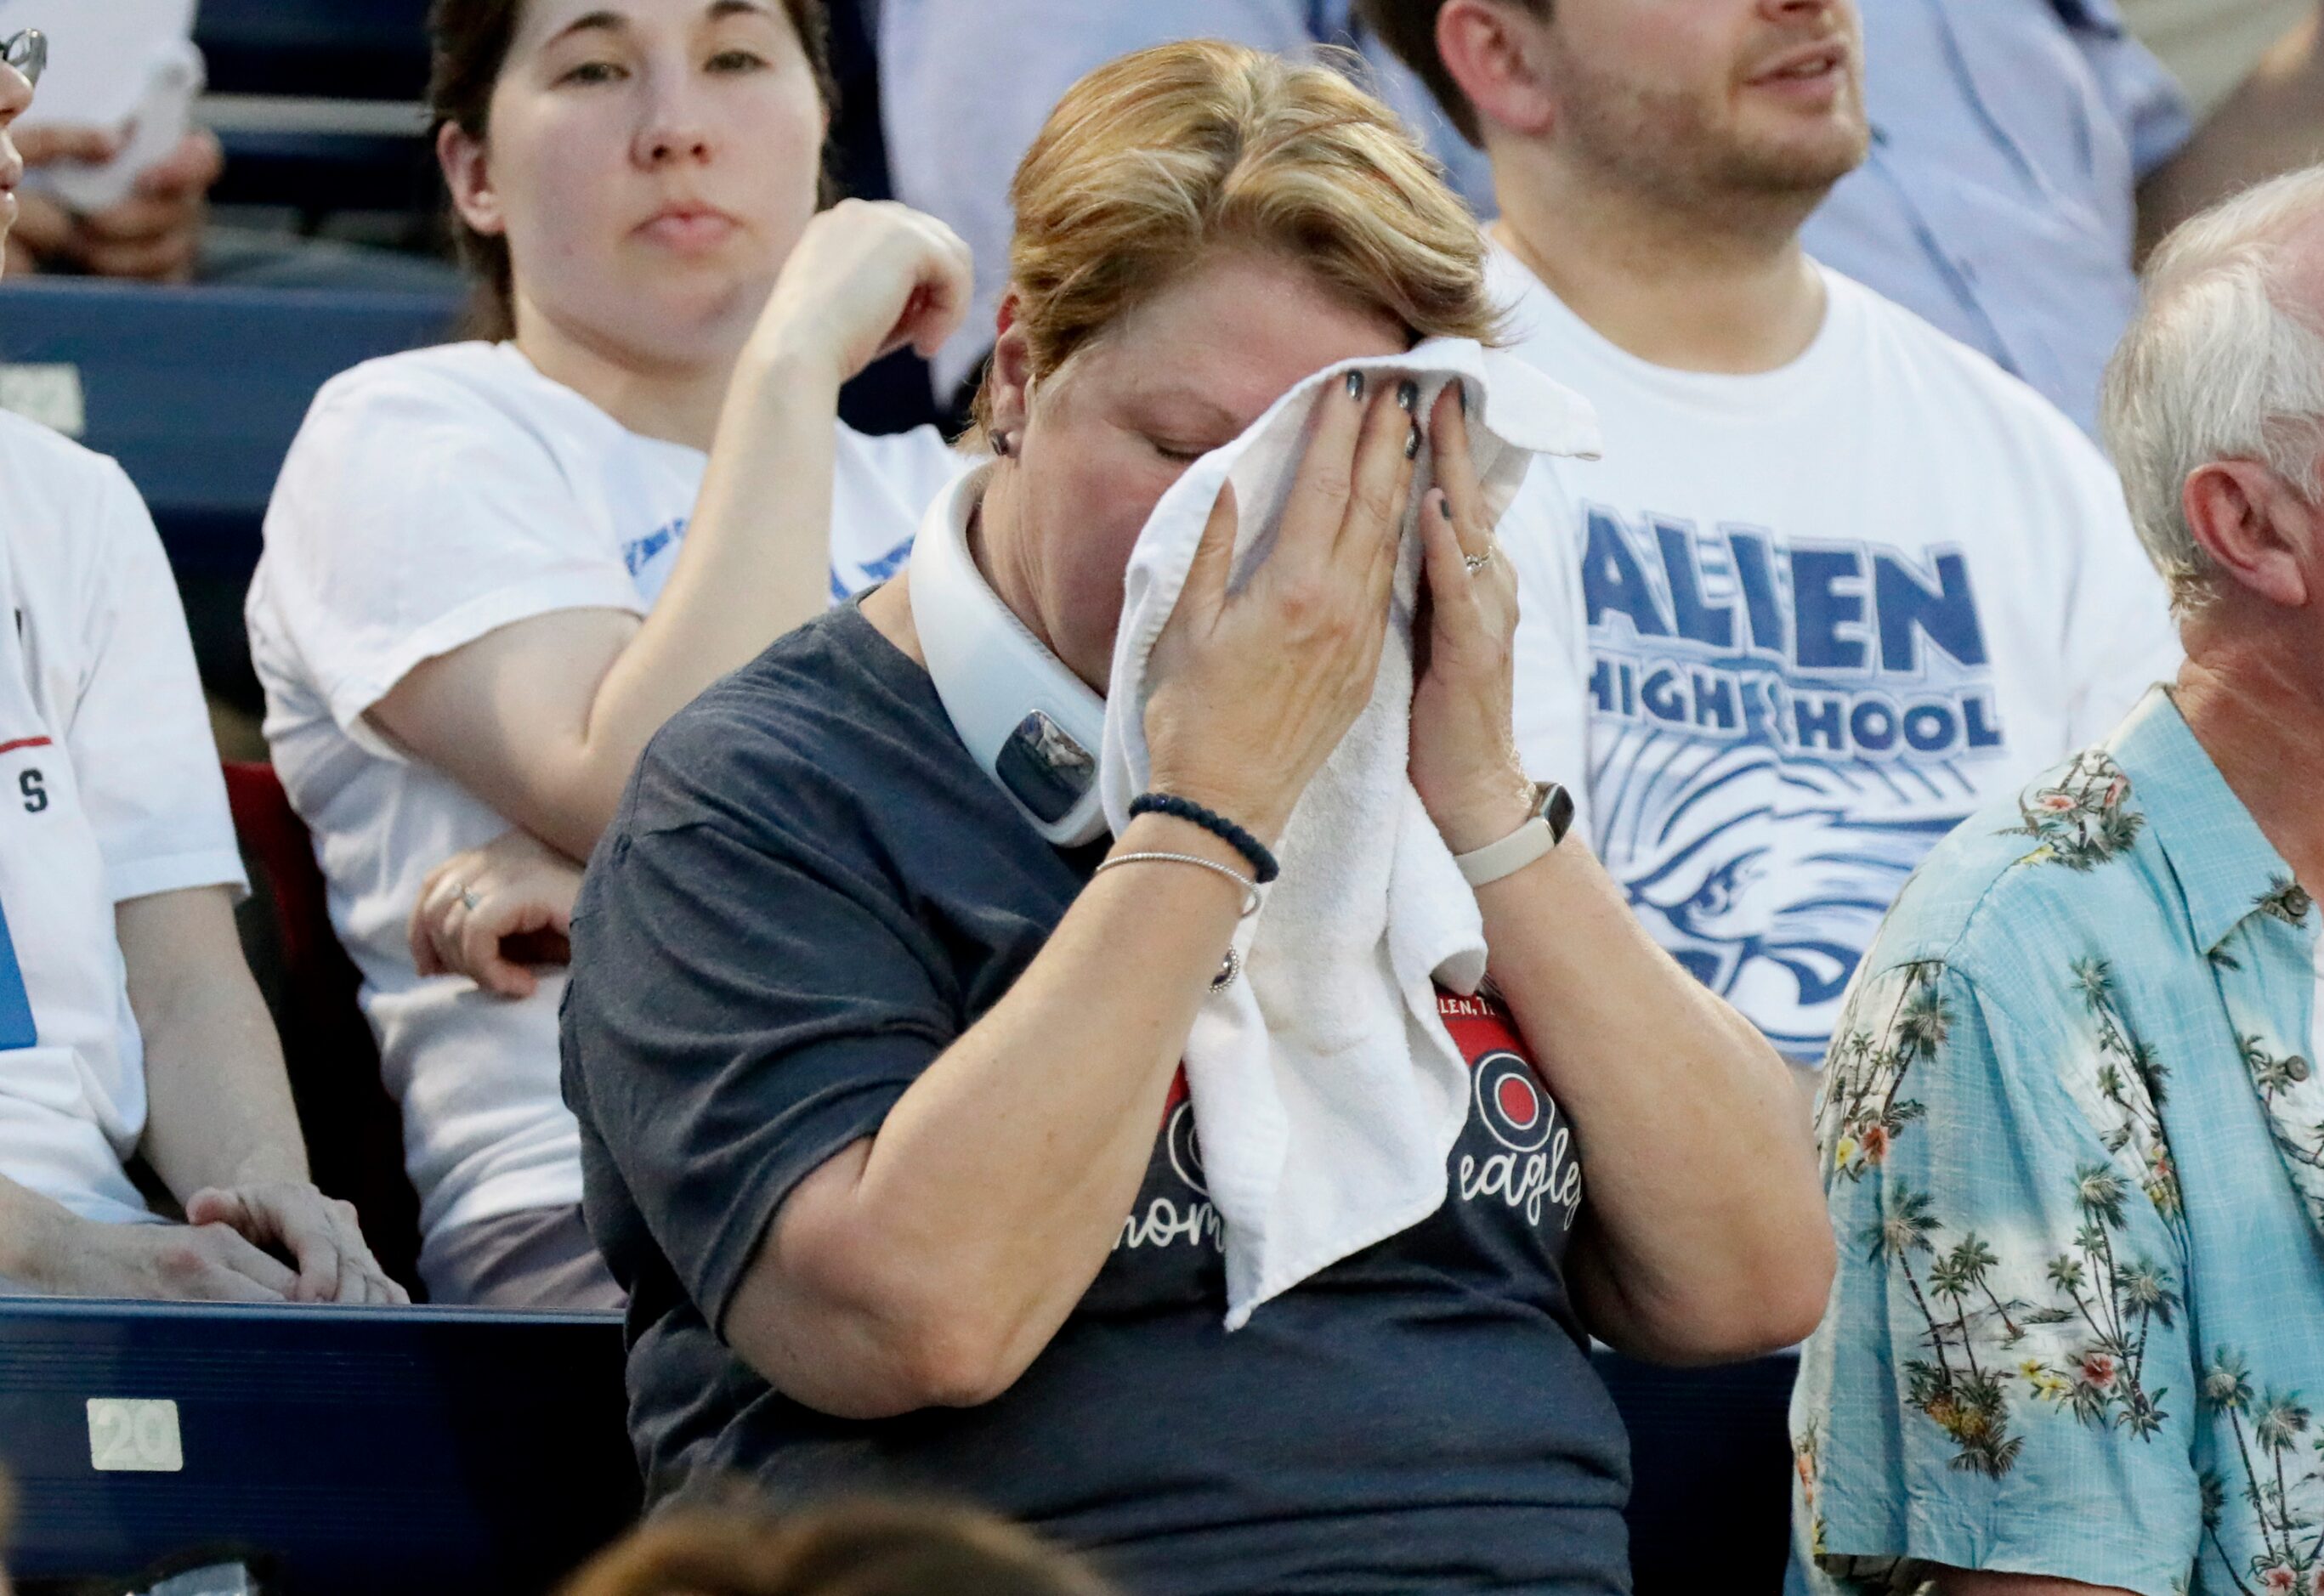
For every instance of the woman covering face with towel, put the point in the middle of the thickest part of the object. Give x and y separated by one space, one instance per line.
883 1123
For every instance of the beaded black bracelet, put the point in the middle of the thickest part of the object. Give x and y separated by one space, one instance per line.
1262 863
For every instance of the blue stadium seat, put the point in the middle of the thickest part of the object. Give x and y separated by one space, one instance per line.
367 1451
198 391
348 1451
337 49
320 174
313 52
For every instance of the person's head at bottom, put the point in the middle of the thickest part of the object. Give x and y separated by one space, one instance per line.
863 1548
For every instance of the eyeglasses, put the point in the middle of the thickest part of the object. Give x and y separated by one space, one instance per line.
27 52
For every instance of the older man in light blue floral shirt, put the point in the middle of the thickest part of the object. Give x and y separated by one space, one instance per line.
2073 1136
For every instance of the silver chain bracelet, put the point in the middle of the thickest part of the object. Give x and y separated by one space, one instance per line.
1249 888
1231 966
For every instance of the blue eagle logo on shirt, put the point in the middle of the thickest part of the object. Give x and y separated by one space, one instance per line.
1778 735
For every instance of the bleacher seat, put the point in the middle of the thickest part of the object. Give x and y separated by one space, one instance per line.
317 103
354 1136
198 391
335 49
340 1452
318 172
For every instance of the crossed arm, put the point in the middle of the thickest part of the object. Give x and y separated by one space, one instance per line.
544 719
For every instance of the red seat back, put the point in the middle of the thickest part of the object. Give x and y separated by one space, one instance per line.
354 1136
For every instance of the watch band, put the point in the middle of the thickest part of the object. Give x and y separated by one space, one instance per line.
1553 814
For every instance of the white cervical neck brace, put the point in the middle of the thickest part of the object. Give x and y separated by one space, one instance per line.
990 670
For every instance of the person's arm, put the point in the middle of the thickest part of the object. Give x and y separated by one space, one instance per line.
220 1129
1704 1236
543 719
931 1264
46 1248
219 1102
219 1118
2272 123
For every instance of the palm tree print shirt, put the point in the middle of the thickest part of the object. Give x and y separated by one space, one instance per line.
2074 1149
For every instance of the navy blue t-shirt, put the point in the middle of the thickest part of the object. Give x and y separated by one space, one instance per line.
810 891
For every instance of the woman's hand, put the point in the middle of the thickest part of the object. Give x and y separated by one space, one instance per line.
1464 754
867 277
492 912
1252 693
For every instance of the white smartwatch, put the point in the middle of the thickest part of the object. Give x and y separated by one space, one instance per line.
1552 813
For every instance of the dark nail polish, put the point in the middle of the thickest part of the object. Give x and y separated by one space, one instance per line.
1355 384
1407 394
1443 503
1461 389
1412 443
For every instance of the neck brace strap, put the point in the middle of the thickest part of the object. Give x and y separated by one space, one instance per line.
1031 724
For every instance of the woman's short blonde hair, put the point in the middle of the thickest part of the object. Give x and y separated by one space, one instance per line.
1153 162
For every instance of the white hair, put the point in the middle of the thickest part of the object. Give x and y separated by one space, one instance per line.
2221 363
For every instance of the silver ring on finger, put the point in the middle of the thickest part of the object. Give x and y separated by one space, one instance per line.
1477 562
468 900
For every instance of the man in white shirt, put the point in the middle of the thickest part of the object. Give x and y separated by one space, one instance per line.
129 1024
1840 579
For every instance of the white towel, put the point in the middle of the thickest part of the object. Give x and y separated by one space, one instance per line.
1327 1091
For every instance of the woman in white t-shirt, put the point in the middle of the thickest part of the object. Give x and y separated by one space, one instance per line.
492 570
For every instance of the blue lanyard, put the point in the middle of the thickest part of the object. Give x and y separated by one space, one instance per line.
17 1028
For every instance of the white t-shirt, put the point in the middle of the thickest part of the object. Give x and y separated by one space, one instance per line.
109 790
1823 614
431 498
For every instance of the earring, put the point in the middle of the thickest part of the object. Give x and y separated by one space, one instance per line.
1001 445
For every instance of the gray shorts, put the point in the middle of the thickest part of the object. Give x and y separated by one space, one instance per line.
539 1258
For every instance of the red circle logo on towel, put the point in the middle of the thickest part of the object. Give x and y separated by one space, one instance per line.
1509 1102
